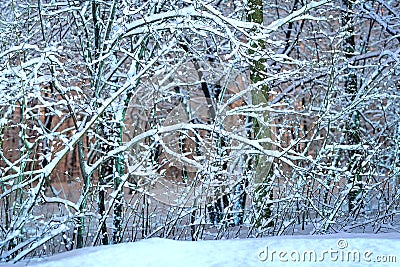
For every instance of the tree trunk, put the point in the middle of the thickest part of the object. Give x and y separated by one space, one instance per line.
352 131
262 164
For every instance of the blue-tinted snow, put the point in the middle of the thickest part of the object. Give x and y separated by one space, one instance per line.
329 250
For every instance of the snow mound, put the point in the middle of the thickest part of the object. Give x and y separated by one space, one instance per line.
327 250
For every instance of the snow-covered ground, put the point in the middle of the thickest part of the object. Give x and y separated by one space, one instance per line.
329 250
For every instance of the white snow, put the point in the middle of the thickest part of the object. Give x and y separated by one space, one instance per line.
328 250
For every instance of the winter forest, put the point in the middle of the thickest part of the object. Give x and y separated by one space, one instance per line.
122 120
